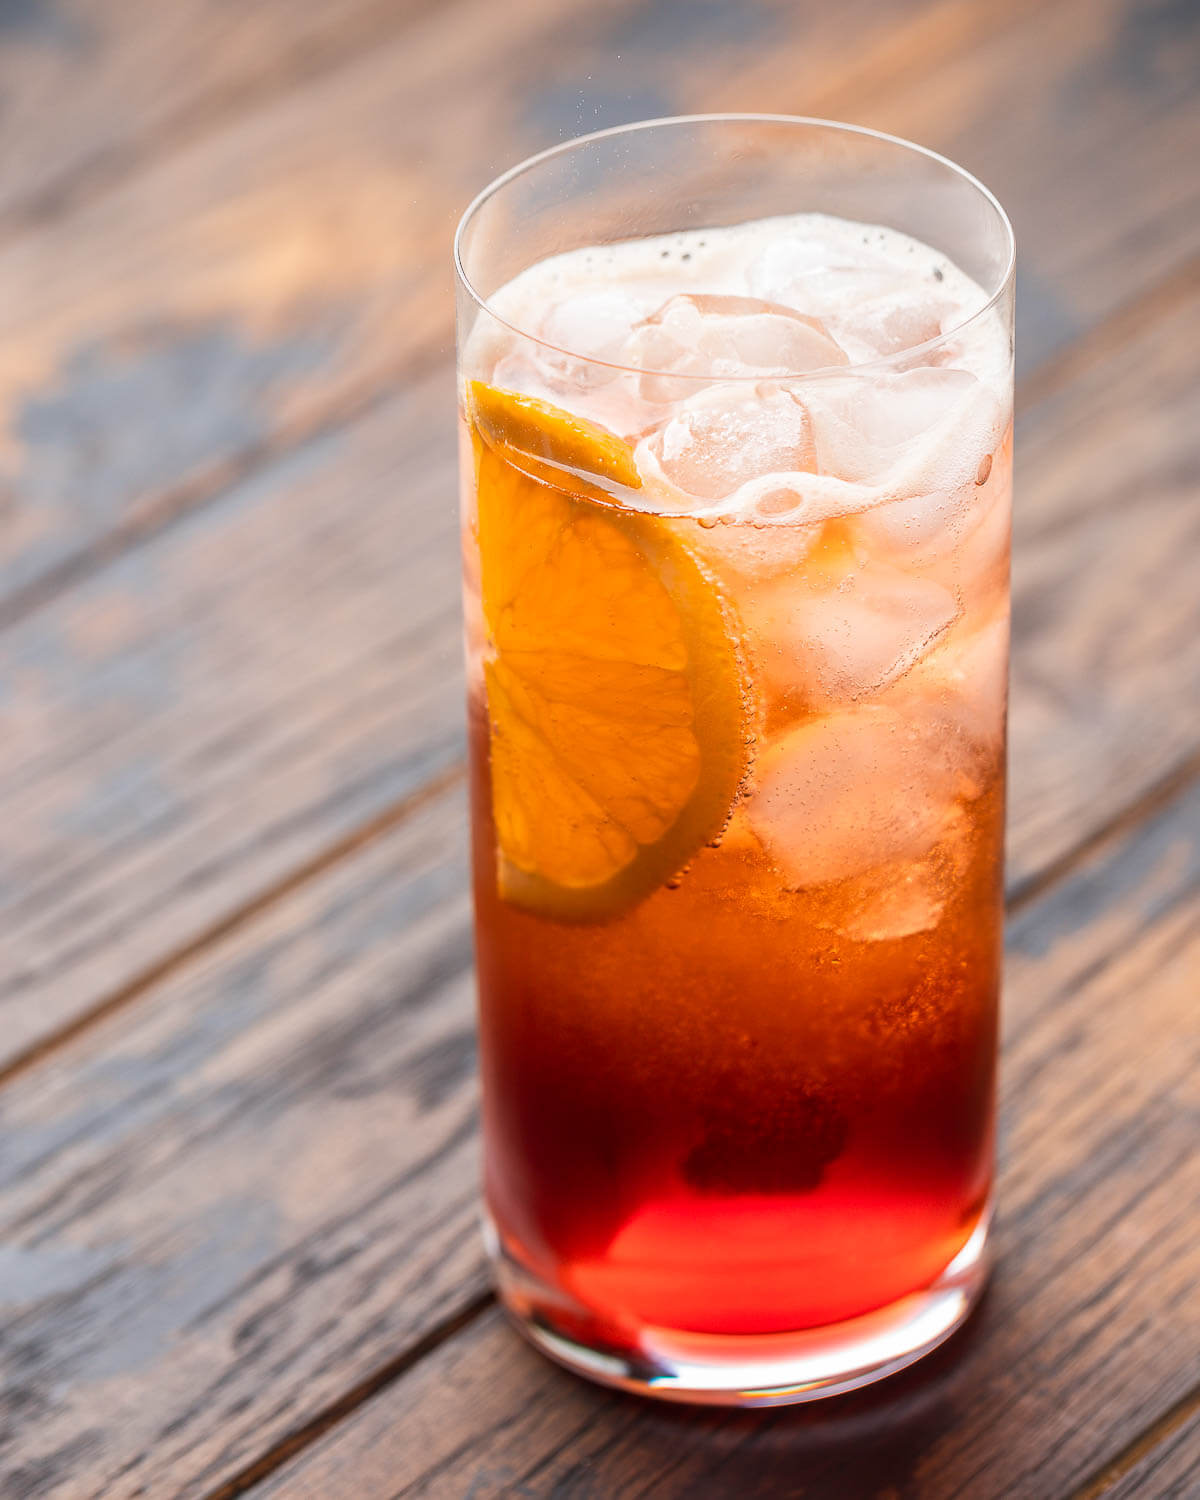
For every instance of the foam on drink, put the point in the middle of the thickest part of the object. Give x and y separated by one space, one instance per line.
776 372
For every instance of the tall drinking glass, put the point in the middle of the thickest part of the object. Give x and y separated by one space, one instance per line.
736 449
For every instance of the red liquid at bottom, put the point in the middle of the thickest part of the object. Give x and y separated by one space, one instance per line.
717 1114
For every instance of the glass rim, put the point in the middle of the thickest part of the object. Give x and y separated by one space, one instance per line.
883 362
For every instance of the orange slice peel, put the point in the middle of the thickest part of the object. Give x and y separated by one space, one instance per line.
552 444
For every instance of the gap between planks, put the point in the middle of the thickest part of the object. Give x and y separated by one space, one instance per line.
1144 806
191 495
1145 1442
343 848
386 1375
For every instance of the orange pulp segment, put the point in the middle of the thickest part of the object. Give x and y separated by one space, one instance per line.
614 693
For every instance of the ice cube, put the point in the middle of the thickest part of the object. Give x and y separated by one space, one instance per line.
825 643
958 536
904 897
898 905
898 319
864 293
520 370
981 563
892 901
785 261
965 681
920 435
839 794
729 435
591 324
710 334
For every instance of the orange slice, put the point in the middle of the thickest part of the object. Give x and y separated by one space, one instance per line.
614 692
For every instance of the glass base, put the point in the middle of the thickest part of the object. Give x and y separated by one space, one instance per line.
771 1369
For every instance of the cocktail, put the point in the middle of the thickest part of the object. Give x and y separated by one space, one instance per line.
736 435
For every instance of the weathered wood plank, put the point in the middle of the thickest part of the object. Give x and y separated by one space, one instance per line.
1106 487
257 284
90 90
1087 1335
216 709
247 689
236 1199
253 1190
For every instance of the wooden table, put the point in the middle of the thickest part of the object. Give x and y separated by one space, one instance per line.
237 1094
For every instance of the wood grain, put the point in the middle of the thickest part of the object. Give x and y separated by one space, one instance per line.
1167 1466
215 710
253 286
1106 489
1087 1335
253 1191
180 734
130 80
226 1206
